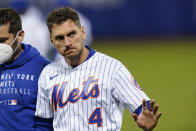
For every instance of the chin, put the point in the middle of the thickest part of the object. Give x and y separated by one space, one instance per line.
72 56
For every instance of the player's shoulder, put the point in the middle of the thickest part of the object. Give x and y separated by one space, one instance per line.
104 57
110 62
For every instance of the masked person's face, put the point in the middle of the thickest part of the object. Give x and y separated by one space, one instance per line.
8 44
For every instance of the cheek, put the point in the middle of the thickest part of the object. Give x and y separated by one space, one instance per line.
57 44
58 47
78 39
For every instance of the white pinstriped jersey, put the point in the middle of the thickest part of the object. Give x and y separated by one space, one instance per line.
89 97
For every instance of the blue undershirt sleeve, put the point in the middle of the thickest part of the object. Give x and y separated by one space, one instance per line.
43 124
139 109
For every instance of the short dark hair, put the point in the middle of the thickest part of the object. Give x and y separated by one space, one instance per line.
11 17
60 15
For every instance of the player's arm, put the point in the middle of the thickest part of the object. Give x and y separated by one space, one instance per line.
129 93
148 118
43 124
44 112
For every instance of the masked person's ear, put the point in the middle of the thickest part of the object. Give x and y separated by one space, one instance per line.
20 36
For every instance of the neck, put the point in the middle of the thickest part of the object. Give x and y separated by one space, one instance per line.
74 62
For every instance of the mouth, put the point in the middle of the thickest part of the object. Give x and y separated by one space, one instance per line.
69 50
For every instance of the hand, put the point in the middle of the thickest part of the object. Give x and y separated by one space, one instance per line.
148 118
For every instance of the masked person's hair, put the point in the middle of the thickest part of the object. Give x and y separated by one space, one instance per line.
11 17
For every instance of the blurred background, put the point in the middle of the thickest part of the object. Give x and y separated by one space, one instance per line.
155 39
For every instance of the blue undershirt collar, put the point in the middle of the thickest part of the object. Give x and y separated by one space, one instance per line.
91 52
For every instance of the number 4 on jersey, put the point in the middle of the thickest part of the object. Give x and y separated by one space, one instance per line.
95 117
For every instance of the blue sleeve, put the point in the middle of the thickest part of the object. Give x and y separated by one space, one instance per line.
139 109
43 124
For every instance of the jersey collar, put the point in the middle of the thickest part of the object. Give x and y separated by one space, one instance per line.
91 52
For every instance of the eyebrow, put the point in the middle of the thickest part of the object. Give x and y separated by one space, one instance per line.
68 34
72 32
3 39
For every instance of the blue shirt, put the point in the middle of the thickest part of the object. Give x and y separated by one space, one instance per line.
18 90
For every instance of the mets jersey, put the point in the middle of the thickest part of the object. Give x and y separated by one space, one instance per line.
89 97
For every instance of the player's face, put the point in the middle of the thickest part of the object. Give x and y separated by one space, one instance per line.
68 39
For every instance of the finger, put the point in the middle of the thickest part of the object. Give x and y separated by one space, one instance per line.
134 116
155 109
151 105
159 115
144 105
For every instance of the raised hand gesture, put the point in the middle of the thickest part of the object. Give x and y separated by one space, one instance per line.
148 119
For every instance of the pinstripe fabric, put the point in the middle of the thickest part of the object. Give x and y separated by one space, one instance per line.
116 91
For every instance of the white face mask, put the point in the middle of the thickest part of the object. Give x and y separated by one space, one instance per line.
6 51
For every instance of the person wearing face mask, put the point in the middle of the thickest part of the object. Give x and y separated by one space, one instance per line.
20 67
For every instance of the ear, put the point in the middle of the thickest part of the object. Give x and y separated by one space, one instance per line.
21 36
51 38
83 32
51 41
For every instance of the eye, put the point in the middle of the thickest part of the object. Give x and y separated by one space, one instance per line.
60 37
71 34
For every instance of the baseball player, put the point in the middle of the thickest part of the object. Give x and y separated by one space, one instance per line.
86 90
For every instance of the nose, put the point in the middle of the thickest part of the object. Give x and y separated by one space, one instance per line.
67 42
